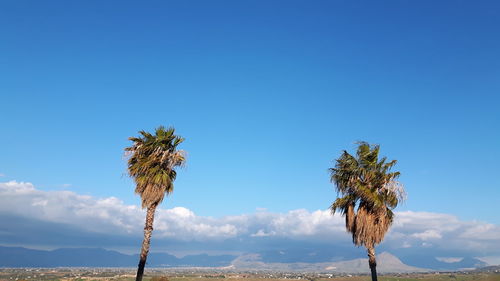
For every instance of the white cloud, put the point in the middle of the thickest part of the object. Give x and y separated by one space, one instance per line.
428 235
444 231
483 231
262 233
112 216
492 260
449 259
406 244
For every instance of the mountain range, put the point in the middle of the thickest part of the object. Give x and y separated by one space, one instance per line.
98 257
387 263
280 260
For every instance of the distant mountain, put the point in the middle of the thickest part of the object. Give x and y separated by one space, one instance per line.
492 268
22 257
321 260
314 255
432 262
387 263
96 257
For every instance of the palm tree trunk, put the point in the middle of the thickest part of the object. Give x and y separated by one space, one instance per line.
148 229
372 262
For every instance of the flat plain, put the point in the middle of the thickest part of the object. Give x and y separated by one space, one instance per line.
128 274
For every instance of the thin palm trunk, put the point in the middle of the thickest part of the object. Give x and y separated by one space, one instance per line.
372 262
148 229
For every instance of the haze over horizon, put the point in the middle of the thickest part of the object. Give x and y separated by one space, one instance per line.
267 95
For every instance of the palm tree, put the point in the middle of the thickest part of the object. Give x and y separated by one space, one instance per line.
152 162
367 194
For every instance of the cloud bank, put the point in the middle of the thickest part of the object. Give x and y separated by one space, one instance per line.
53 218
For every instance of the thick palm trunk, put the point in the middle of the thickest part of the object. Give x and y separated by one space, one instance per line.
372 262
148 229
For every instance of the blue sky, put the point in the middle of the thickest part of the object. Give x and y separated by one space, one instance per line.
266 93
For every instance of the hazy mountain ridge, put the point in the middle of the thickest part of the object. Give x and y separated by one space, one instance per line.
98 257
432 262
387 263
286 260
491 268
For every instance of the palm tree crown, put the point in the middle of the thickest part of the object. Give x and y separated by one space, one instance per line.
152 163
365 182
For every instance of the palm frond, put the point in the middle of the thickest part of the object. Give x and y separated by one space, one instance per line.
366 182
152 160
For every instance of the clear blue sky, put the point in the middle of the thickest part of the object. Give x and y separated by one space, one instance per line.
266 93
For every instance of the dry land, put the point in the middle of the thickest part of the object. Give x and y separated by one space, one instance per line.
80 274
